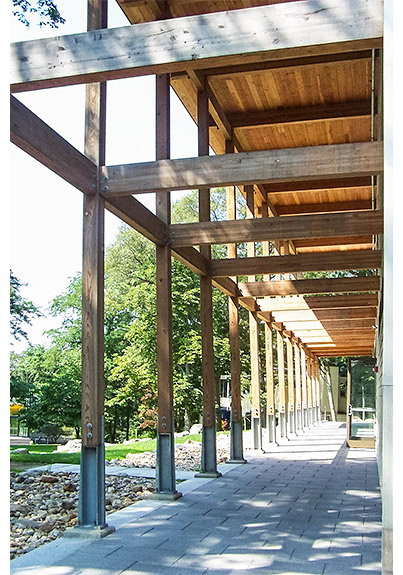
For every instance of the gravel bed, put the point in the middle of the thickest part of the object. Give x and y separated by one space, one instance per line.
44 505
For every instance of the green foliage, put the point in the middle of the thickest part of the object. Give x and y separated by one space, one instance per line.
45 10
21 310
47 381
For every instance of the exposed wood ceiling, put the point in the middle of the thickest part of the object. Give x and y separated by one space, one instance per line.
292 103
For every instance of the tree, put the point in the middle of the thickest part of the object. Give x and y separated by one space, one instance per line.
45 10
22 310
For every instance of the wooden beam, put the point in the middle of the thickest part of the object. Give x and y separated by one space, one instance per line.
347 183
284 64
325 207
320 302
325 314
317 327
285 228
246 120
40 141
315 162
194 260
308 287
195 42
328 261
136 215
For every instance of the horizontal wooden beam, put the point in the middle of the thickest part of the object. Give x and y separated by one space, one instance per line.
330 326
347 183
311 163
317 302
221 38
325 207
325 314
359 108
284 228
40 141
328 261
283 64
343 352
310 244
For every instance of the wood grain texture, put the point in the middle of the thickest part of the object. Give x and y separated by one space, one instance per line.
196 42
314 162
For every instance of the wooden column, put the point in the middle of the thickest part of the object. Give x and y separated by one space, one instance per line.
254 339
165 470
281 383
309 388
91 509
209 454
271 409
318 389
236 443
291 390
304 389
298 391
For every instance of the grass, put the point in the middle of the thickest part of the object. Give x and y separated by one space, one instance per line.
47 454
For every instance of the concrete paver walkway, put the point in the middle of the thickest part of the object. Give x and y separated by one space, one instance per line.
310 506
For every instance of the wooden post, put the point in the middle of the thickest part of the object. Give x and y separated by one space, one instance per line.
209 453
309 388
281 383
318 389
349 406
91 509
165 469
271 410
298 394
254 339
291 391
304 389
236 443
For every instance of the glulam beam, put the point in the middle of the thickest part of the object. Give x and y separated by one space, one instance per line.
196 42
244 168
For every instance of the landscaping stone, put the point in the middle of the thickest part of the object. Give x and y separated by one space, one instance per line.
44 505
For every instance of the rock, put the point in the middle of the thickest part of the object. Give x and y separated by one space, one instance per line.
72 446
196 429
68 504
49 479
21 450
70 487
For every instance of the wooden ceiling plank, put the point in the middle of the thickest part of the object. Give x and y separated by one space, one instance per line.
196 42
313 162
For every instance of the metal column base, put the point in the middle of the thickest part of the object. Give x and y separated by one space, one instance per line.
271 426
283 425
236 444
88 531
257 433
91 504
209 454
165 482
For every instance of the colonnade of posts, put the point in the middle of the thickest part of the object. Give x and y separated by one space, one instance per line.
298 394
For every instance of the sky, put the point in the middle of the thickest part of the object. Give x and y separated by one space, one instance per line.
45 224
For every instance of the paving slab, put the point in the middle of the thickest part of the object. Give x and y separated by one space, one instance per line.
310 506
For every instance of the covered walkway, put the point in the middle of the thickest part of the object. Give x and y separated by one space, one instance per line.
311 506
